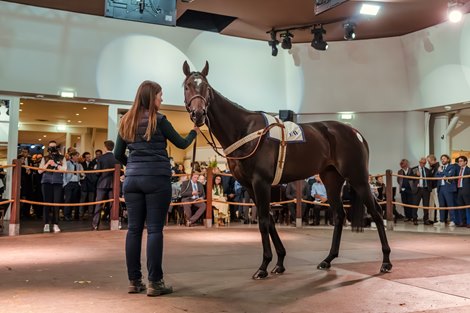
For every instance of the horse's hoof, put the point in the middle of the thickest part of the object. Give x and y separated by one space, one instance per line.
260 274
278 269
386 268
324 265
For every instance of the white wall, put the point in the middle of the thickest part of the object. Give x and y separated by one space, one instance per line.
438 64
391 136
460 135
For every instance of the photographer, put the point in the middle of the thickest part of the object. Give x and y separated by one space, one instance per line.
52 185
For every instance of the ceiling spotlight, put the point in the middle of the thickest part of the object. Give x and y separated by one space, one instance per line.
286 40
454 12
318 43
369 9
349 31
273 43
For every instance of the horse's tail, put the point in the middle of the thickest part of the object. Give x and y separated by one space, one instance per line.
357 211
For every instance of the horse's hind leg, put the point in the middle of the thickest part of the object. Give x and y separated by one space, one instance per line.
333 182
280 250
373 208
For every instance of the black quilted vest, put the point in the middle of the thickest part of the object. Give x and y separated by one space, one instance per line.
148 158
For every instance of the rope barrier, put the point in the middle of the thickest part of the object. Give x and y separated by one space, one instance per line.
7 165
6 201
431 207
66 204
432 178
70 172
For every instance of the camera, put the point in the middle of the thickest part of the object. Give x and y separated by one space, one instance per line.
54 154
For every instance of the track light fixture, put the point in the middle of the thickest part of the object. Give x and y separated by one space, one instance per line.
318 43
349 31
273 43
286 40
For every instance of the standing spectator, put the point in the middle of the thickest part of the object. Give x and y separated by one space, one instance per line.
405 188
447 190
36 178
434 199
88 185
72 186
26 191
52 185
229 190
463 192
422 191
147 186
98 154
104 187
291 193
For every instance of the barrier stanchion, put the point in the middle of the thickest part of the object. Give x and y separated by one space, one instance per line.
298 203
116 204
389 196
14 228
208 220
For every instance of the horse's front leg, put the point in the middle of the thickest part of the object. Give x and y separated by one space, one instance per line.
261 195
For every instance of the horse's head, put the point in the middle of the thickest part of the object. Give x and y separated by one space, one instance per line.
196 93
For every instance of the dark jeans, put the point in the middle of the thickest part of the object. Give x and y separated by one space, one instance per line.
101 194
72 195
147 201
52 193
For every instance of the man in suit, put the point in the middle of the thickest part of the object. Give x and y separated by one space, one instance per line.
447 190
88 184
463 193
421 190
104 188
405 188
192 190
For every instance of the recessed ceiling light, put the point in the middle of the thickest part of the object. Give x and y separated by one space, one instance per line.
68 121
448 107
21 110
369 9
79 121
44 136
39 139
78 137
67 94
77 114
84 108
21 103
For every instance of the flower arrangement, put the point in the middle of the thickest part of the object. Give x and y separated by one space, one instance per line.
212 162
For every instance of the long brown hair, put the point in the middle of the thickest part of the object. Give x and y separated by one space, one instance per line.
144 101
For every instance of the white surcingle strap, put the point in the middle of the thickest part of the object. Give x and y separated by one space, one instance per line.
282 148
281 156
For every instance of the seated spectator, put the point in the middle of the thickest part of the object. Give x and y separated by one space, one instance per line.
192 190
218 194
319 194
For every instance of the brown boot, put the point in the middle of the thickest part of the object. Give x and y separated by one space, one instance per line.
136 286
158 288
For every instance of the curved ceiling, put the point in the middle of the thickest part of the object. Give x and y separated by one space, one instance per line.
252 19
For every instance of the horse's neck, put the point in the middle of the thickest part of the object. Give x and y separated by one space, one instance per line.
228 121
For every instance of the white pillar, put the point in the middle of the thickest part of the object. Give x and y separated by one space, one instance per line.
14 116
441 142
68 140
414 138
112 122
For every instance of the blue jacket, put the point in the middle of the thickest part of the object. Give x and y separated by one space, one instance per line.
451 184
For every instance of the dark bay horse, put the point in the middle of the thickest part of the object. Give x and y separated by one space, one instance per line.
335 150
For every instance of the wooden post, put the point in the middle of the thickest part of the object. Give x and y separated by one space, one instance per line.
389 196
14 228
208 220
116 202
298 203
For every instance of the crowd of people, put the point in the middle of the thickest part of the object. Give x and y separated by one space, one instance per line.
40 185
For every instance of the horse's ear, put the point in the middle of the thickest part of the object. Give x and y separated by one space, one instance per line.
186 69
205 70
